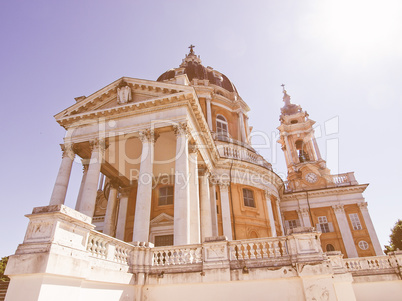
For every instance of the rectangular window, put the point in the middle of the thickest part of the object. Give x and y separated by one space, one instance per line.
354 218
323 225
248 197
290 224
165 196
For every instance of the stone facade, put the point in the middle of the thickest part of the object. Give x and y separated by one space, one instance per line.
176 204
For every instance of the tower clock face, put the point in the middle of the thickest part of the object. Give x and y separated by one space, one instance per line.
311 177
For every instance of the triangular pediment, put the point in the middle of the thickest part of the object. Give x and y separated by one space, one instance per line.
162 218
124 91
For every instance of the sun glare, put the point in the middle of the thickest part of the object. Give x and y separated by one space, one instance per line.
363 28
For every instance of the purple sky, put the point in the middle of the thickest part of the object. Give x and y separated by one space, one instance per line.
341 60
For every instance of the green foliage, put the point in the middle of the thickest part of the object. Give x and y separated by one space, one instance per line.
395 239
3 264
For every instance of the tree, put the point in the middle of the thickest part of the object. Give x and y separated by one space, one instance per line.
395 239
3 264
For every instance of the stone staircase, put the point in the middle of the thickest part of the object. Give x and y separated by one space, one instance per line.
3 289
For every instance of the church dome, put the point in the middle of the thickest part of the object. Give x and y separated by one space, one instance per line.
192 67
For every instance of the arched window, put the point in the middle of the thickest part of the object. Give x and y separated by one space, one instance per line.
222 126
330 248
302 151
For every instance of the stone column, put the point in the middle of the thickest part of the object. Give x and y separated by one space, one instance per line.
206 216
278 208
111 210
242 127
122 215
248 139
89 193
181 187
270 214
214 213
370 228
144 191
345 231
304 217
225 206
84 177
317 150
290 156
195 231
63 177
209 111
101 181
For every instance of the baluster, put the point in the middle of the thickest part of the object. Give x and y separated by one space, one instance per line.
259 250
252 250
242 251
264 250
271 249
277 249
198 255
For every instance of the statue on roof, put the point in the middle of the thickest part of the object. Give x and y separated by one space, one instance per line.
123 94
286 96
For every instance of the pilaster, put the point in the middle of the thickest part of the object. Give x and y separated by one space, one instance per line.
345 231
370 228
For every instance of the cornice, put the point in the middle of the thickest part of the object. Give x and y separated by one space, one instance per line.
143 85
330 191
130 108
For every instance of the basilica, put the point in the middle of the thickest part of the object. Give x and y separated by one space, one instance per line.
176 204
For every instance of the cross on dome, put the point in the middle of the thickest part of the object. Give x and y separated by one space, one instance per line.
191 49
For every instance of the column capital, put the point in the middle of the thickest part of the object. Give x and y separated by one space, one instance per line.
193 148
338 209
124 191
204 172
98 144
148 135
114 183
303 211
223 185
362 206
181 129
85 165
68 150
267 195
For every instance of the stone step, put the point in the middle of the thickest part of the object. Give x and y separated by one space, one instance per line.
3 290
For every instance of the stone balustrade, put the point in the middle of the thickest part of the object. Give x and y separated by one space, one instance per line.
105 247
267 251
386 264
344 179
263 248
176 255
237 152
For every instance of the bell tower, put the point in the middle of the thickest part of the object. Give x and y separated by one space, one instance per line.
306 169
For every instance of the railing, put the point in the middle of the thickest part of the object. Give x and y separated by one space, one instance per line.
105 247
264 248
176 255
236 152
368 263
344 179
